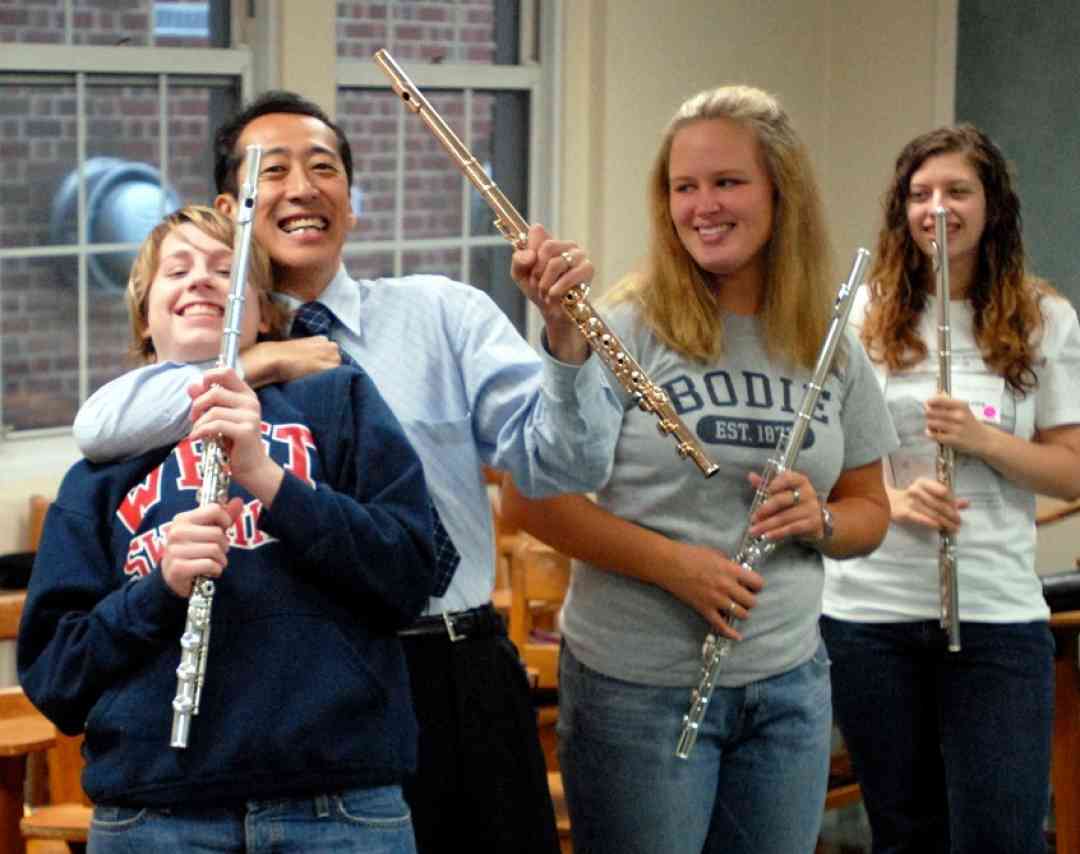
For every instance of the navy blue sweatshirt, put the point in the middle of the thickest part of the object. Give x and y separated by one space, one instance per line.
306 689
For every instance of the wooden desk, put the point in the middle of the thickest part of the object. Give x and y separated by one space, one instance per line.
1064 768
19 736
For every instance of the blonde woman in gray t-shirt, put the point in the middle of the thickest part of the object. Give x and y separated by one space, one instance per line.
728 317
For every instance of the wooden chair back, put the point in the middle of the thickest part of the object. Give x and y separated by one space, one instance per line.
59 808
39 506
539 578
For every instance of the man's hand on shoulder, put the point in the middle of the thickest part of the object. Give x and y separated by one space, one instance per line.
281 361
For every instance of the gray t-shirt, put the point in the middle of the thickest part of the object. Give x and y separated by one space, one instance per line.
737 408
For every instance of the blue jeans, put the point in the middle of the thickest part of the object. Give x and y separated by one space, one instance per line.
755 781
952 749
373 820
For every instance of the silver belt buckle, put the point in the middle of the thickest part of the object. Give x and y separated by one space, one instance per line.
454 636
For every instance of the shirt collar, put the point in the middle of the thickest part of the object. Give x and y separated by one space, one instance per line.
343 296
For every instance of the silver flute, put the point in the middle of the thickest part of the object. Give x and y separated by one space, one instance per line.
753 551
946 456
195 642
512 225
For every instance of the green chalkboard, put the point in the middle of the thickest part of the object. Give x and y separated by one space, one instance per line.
1018 79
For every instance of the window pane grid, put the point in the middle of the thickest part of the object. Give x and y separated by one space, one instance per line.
117 23
416 211
96 160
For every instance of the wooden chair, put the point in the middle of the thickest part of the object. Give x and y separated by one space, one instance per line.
507 536
58 817
843 789
1064 775
61 825
39 506
24 735
539 577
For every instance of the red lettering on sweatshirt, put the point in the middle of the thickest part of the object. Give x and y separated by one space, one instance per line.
146 551
140 500
301 449
188 457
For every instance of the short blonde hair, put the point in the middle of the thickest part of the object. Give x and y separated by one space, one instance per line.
213 224
675 294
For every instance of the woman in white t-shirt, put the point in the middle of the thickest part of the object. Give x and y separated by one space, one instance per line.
952 749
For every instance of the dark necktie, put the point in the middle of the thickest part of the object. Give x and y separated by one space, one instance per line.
314 318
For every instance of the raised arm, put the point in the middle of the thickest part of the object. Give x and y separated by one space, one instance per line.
546 270
149 407
552 425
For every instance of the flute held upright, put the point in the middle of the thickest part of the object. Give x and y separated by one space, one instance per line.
753 551
195 641
946 456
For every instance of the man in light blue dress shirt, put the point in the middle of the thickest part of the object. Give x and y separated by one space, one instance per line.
469 391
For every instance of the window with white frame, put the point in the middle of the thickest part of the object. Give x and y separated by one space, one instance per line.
476 61
107 114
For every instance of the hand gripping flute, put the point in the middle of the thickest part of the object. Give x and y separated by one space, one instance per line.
753 551
946 456
195 642
647 395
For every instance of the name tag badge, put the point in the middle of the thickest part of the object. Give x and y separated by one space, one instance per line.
983 392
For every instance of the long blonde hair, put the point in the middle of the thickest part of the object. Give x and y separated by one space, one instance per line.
674 294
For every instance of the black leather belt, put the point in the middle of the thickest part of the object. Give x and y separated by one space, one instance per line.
473 624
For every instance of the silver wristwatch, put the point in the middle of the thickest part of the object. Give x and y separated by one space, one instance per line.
826 523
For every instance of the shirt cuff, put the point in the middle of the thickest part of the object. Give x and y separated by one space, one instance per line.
566 382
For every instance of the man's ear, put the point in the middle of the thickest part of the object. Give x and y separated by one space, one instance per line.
225 203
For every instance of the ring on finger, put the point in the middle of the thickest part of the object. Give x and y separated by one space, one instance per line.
795 497
568 258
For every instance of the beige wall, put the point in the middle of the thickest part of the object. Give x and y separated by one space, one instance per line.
29 468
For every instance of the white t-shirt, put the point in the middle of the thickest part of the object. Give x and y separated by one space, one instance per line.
995 546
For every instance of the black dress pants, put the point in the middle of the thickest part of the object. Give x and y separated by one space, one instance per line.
481 784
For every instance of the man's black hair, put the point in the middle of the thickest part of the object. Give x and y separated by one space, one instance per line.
226 159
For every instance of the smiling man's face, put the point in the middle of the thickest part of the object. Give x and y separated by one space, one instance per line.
304 211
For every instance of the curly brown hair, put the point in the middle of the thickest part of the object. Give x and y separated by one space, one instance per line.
1004 299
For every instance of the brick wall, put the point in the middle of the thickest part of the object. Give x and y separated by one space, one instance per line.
448 31
37 156
95 22
38 296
